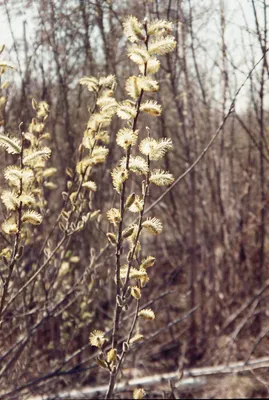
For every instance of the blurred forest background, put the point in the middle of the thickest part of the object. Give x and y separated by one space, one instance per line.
213 253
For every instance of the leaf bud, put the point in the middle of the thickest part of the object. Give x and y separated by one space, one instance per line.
34 104
69 172
20 252
136 292
128 232
112 356
112 238
125 347
139 393
102 363
119 301
130 200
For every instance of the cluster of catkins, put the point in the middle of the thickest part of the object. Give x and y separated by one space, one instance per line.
141 151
